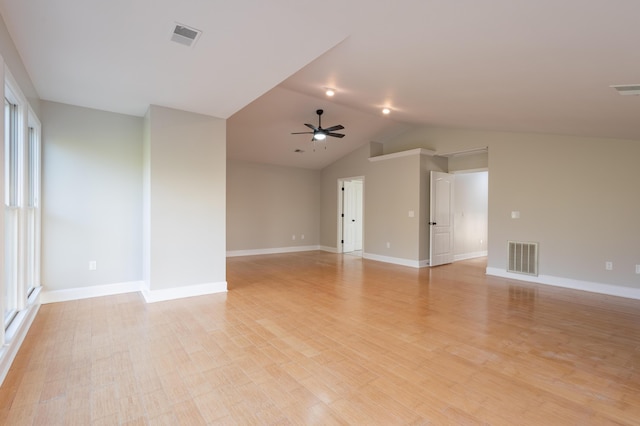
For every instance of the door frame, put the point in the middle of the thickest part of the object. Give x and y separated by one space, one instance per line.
339 215
487 168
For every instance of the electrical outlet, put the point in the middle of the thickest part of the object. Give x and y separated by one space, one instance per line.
302 237
293 237
608 266
637 269
388 244
93 265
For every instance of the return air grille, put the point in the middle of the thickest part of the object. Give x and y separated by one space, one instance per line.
185 35
523 258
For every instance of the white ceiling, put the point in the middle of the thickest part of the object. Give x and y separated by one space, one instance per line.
534 66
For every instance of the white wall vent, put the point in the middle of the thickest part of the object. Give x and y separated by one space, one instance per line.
523 258
185 35
627 89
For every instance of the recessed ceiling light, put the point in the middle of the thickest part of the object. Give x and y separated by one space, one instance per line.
386 111
329 92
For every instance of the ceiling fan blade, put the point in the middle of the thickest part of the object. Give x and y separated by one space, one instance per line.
311 126
334 128
303 133
336 135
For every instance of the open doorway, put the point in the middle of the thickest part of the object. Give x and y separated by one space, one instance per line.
470 214
351 215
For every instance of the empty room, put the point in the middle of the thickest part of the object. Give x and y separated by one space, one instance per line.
320 213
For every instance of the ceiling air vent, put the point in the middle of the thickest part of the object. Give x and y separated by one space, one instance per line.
627 89
185 35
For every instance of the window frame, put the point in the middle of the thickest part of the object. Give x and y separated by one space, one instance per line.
13 283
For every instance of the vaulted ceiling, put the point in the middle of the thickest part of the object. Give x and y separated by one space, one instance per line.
529 66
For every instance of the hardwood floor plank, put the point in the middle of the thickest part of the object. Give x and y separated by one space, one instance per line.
318 338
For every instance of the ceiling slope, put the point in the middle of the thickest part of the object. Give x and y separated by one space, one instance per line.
117 55
526 66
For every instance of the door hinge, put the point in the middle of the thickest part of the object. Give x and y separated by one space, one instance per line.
341 241
342 215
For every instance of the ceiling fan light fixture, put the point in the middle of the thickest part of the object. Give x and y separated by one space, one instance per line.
321 133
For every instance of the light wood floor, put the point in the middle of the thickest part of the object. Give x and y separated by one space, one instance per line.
317 338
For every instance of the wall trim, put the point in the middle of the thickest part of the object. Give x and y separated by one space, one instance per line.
472 255
608 289
153 296
52 296
277 250
416 151
396 260
9 351
329 249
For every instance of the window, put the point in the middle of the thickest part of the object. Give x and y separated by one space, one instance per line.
11 170
32 205
21 204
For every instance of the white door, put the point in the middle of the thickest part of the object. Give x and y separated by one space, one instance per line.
441 219
351 215
348 211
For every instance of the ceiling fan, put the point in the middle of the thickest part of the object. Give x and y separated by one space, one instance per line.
320 134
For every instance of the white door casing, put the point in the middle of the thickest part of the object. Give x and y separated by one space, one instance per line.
357 193
441 218
348 221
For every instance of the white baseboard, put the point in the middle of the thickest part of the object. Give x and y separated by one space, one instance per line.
277 250
10 349
608 289
152 296
396 260
472 255
329 249
87 292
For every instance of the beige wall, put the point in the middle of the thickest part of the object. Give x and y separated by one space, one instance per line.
577 198
91 193
392 188
267 205
186 185
351 165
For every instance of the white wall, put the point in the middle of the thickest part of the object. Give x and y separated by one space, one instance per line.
577 198
267 205
470 214
186 190
392 188
92 194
